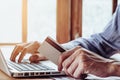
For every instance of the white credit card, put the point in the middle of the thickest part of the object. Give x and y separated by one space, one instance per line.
51 49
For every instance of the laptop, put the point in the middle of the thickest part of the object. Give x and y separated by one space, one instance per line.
52 51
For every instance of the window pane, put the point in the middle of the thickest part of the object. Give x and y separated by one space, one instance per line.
96 15
41 19
10 21
118 2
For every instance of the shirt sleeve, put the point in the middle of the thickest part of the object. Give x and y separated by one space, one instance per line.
105 43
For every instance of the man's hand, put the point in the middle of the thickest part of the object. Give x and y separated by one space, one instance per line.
24 48
80 61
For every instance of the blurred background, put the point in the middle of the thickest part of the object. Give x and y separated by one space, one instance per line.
41 19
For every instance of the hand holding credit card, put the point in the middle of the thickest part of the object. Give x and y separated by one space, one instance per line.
51 49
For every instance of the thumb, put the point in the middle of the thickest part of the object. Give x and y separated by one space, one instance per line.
35 58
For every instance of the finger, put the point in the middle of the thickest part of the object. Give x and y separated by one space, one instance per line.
79 71
71 69
66 72
22 55
35 58
33 47
15 52
67 62
41 57
64 56
18 48
29 48
74 64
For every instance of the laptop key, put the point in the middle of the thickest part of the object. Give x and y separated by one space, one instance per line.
46 67
17 65
25 66
33 67
39 67
29 67
14 67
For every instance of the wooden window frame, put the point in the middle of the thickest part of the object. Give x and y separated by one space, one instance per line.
114 5
76 19
63 20
24 20
69 20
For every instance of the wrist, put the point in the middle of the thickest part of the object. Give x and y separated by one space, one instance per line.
114 68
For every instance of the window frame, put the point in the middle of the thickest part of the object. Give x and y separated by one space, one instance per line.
114 5
69 20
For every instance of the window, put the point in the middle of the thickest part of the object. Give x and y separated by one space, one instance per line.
30 20
96 15
41 19
27 20
10 21
118 2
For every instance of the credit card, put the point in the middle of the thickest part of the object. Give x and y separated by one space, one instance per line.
51 49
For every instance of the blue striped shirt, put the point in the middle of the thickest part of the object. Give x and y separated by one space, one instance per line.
105 43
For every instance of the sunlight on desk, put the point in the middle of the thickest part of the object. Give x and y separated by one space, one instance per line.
4 76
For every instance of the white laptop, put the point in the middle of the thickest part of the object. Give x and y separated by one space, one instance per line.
50 48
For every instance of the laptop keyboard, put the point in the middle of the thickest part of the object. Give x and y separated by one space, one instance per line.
28 66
